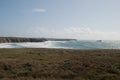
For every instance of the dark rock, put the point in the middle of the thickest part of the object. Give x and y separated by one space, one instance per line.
20 39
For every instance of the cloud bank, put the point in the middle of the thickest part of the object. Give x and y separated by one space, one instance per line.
74 32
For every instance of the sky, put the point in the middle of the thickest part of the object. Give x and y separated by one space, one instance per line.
79 19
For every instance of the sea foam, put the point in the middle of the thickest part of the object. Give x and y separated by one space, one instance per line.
82 44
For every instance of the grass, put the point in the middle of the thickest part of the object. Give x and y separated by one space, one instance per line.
59 64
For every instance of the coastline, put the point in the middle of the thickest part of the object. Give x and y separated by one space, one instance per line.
24 39
59 64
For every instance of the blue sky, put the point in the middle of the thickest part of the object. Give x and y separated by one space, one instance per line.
81 19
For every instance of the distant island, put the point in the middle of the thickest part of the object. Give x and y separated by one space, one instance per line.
24 39
99 40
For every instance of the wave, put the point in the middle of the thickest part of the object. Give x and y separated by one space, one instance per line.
65 44
46 44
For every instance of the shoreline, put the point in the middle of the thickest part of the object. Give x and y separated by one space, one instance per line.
24 39
65 49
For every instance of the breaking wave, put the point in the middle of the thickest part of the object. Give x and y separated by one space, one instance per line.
65 44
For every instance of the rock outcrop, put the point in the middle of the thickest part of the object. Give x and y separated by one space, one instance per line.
20 39
55 39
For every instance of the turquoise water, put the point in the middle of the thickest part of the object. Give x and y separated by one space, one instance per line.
81 44
89 44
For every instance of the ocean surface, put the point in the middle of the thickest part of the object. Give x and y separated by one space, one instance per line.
80 44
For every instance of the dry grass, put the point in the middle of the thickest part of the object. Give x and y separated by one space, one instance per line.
59 64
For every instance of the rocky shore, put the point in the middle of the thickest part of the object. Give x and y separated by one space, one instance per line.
20 39
23 39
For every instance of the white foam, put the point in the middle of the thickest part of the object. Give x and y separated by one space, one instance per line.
46 44
6 45
65 45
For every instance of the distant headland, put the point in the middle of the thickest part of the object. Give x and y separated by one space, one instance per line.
24 39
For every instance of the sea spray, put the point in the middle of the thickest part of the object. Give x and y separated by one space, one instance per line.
81 44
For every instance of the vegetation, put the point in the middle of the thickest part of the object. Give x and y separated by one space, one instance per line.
59 64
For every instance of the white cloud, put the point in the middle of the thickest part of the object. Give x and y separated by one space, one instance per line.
34 10
77 30
87 33
39 10
74 32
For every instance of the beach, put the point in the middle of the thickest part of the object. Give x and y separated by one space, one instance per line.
59 64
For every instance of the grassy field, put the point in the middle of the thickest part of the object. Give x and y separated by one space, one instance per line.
59 64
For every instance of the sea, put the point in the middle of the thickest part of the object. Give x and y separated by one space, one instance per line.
73 44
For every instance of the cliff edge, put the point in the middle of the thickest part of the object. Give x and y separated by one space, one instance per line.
22 39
